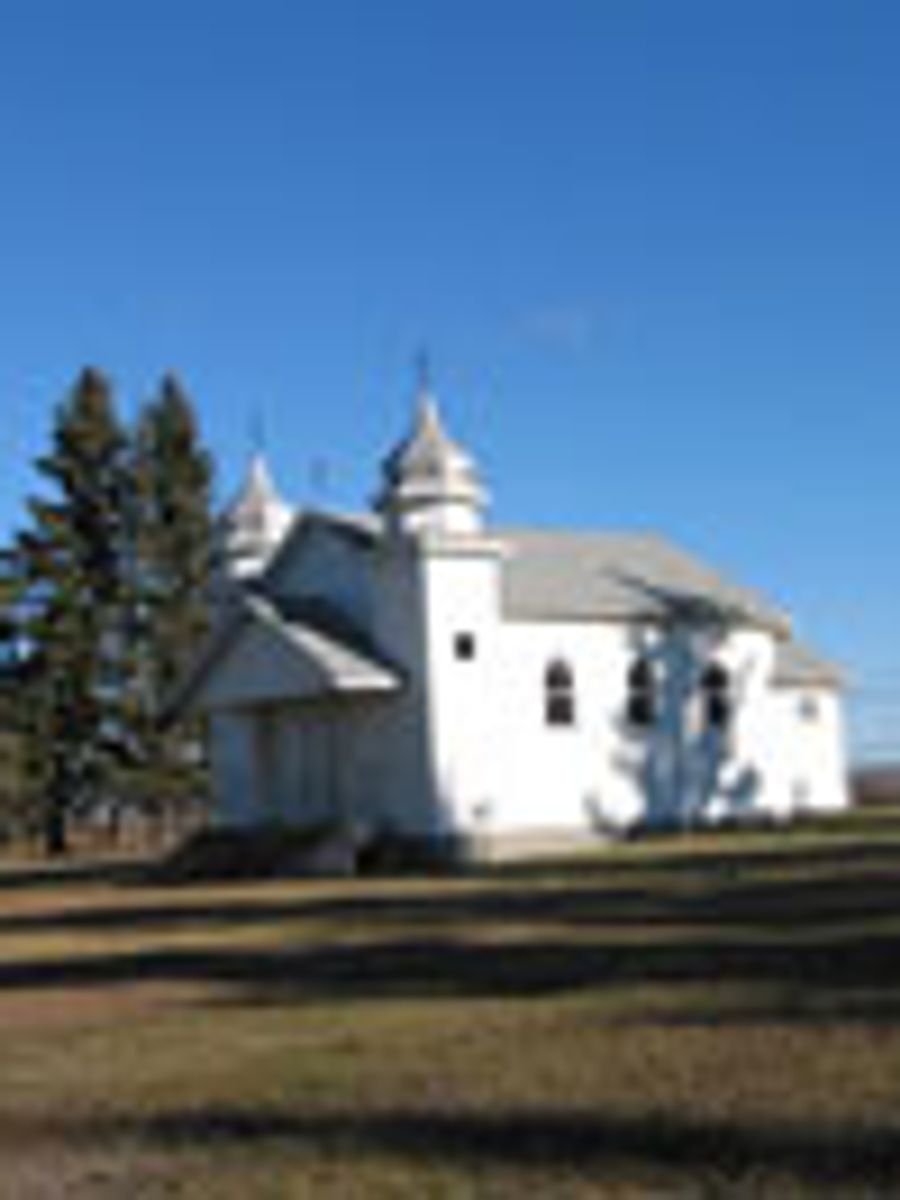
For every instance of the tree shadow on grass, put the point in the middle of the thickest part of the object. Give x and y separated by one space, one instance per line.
856 976
673 855
681 854
66 873
715 898
589 1143
821 944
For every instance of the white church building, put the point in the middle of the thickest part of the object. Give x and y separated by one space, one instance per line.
416 673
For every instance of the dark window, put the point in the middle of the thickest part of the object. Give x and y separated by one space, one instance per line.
464 646
809 708
716 688
642 700
559 694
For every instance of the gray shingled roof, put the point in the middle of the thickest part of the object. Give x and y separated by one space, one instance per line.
343 663
363 528
797 666
342 666
551 574
563 575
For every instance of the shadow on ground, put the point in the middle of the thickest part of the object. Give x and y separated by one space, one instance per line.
63 873
848 977
720 896
817 933
571 1140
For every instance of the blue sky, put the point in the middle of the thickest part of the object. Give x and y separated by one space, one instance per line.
653 247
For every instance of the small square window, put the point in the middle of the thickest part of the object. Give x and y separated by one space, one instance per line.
464 646
809 708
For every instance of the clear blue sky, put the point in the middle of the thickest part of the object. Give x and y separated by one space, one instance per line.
654 247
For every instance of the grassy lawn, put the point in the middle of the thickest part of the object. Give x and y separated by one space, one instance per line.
708 1016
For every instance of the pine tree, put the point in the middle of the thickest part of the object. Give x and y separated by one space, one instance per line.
71 558
170 576
13 795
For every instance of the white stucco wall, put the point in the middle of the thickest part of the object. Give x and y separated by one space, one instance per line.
461 598
465 746
593 775
811 738
503 769
566 776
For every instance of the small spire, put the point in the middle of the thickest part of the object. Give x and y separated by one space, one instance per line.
427 414
258 482
423 372
257 431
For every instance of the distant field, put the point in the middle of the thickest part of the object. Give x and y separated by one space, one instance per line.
712 1016
877 784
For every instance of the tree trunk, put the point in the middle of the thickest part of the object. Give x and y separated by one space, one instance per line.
114 825
56 841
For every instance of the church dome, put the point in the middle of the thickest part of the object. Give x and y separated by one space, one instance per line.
254 523
429 481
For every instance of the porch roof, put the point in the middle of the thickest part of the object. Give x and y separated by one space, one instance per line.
261 654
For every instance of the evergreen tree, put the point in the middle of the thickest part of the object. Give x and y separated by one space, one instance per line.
171 544
71 570
13 795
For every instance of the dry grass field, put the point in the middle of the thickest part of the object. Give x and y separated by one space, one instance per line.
709 1016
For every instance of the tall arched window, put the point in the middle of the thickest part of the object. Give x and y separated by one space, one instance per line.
559 694
715 686
642 699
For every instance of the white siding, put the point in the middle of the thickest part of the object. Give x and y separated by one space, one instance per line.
811 736
232 755
465 747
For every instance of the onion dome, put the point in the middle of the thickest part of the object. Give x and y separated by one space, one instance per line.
430 482
253 524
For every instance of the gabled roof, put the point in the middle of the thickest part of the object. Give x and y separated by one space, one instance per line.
553 574
363 529
343 658
566 575
314 661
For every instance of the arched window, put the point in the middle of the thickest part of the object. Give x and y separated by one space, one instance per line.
716 688
642 698
559 694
